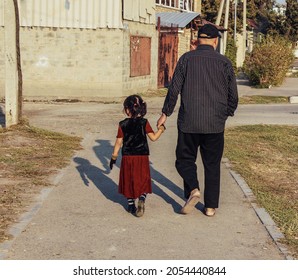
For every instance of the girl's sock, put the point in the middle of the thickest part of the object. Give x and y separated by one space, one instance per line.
131 205
143 197
130 201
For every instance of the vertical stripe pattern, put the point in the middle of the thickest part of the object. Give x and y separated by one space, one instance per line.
206 82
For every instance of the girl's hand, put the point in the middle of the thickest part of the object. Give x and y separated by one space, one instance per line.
112 161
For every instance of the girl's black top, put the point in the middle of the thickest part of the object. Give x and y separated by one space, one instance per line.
134 136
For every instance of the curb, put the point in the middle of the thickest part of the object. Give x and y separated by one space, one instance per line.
294 99
262 214
16 229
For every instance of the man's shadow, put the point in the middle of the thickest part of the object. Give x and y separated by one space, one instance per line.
103 150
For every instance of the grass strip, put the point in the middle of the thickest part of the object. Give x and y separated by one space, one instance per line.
266 156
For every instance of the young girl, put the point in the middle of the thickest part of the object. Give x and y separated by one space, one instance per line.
134 179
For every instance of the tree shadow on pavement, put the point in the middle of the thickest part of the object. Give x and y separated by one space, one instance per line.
103 151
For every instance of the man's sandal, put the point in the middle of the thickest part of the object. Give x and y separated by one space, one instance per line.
210 212
191 202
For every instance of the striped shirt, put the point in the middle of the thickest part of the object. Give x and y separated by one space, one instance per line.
206 82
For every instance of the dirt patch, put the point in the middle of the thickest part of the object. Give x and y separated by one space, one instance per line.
27 157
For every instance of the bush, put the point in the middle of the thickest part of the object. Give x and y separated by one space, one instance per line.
231 53
268 63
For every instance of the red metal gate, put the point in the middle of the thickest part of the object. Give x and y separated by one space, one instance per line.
167 54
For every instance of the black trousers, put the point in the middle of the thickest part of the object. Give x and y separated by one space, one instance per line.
211 149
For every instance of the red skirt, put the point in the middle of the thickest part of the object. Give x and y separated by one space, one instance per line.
134 178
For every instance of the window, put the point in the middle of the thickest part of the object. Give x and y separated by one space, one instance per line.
140 56
186 5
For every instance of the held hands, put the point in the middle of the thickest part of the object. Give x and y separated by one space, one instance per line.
162 128
161 121
113 161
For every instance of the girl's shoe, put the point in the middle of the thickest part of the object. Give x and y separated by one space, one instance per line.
141 208
131 209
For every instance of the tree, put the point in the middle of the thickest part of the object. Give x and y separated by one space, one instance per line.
210 9
231 52
261 11
292 20
266 72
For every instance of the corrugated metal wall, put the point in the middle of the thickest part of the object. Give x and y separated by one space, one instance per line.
69 13
139 10
1 12
82 13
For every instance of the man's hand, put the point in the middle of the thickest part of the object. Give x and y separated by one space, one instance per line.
161 120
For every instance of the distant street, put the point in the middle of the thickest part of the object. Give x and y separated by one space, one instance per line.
279 114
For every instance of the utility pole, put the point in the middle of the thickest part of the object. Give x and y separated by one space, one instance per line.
219 14
244 28
226 22
235 21
13 74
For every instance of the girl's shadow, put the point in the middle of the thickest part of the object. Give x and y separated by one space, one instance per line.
2 116
98 177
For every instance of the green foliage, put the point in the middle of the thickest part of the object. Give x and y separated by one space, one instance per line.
231 53
210 9
292 20
269 61
261 12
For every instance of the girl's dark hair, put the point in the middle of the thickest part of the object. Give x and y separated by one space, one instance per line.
135 105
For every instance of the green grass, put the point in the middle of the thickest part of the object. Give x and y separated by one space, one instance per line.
263 99
267 158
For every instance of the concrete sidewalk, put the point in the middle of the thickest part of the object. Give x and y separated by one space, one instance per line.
83 216
288 88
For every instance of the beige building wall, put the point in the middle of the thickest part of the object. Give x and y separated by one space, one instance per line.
132 85
80 64
163 9
81 52
184 41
